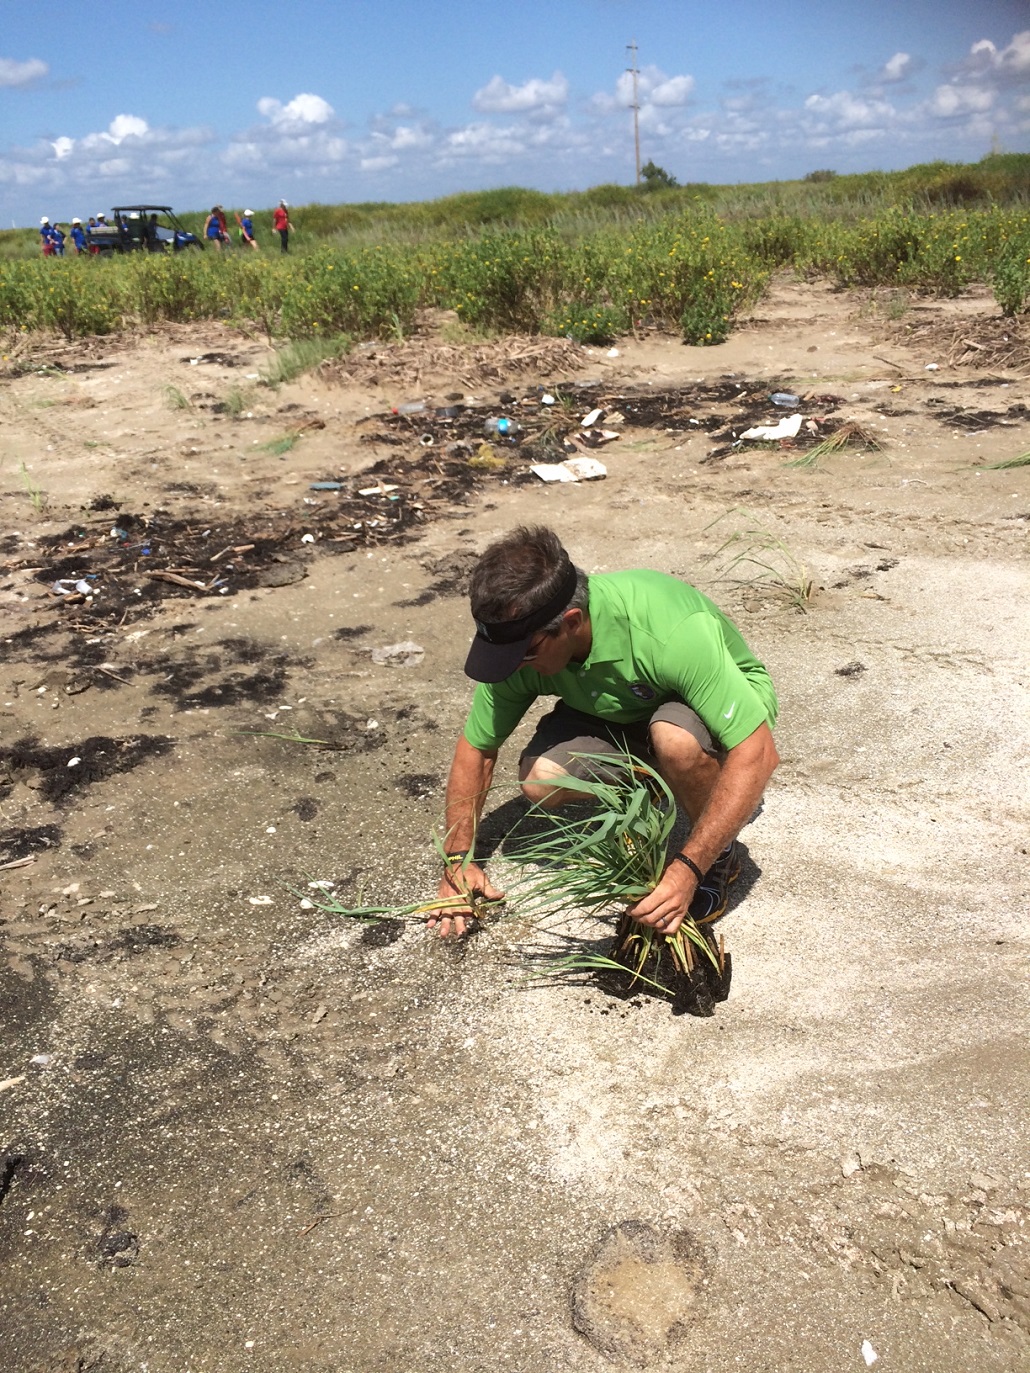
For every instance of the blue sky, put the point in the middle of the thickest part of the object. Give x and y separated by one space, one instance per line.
247 103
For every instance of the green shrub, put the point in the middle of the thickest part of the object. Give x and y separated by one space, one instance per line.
586 322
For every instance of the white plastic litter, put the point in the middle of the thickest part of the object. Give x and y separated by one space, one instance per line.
613 353
786 429
260 900
869 1354
588 421
546 399
932 367
307 538
571 470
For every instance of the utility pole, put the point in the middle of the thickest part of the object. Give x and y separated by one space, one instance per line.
632 47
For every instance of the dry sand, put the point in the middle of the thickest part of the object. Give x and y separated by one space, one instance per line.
240 1134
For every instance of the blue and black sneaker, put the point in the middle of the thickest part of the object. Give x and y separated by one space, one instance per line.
709 901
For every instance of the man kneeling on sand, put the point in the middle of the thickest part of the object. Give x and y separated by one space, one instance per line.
637 659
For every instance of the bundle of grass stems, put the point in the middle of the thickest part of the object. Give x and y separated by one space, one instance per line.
846 436
574 865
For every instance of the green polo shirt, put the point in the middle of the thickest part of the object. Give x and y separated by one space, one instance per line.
654 639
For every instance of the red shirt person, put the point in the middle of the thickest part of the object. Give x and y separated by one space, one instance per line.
282 226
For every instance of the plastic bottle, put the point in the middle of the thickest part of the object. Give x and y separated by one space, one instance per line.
784 398
410 407
502 428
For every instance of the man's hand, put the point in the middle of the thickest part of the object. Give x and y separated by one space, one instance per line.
468 880
666 908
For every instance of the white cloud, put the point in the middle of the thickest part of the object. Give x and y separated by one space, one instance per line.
676 91
896 68
653 88
14 73
63 147
378 164
126 126
485 142
1011 63
302 109
405 136
302 135
498 97
949 101
845 110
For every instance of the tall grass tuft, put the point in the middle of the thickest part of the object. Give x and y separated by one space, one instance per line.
570 866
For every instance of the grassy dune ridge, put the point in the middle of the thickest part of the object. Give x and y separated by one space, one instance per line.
592 265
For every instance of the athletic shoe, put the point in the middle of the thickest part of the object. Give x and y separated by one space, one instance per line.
710 899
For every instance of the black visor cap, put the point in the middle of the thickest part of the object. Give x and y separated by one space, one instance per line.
498 649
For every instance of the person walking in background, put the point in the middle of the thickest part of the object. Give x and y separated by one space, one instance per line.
247 237
213 229
57 237
282 226
223 227
78 236
46 241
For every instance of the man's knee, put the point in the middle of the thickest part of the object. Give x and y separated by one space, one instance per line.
541 782
674 745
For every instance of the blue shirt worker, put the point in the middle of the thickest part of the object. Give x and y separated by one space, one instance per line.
57 237
247 235
638 660
78 236
46 237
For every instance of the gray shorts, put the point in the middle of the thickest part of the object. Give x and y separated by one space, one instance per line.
565 732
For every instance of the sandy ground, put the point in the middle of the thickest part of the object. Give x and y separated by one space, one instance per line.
240 1134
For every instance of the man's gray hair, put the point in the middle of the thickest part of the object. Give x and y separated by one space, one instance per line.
519 573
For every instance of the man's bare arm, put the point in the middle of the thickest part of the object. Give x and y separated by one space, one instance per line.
472 771
742 779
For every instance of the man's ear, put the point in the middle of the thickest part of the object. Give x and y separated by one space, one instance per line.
573 619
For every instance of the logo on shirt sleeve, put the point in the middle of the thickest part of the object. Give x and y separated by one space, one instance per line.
642 691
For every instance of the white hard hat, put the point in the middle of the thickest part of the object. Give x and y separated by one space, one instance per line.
247 213
284 204
44 220
76 220
101 215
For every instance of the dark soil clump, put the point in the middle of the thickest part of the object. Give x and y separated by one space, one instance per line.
73 767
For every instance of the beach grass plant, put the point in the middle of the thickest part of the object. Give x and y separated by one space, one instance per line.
280 446
176 399
576 865
851 434
1023 460
292 360
763 561
36 495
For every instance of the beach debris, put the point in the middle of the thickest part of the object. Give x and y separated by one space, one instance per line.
571 470
588 421
787 428
785 398
869 1354
596 438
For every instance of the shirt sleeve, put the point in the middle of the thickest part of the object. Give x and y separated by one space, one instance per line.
700 667
496 710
